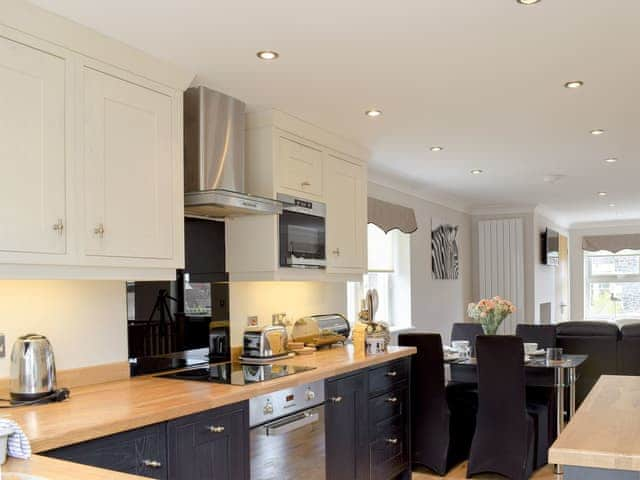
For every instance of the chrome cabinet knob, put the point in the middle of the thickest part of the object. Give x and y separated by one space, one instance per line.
99 230
337 399
392 441
58 226
336 252
392 400
305 184
152 463
392 373
215 428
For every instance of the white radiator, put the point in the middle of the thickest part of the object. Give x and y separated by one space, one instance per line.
501 265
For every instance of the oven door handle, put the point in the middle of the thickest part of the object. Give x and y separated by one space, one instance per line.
297 421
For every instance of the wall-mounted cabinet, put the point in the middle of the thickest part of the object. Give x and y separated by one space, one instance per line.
285 155
91 155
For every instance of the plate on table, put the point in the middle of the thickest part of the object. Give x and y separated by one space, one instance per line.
449 357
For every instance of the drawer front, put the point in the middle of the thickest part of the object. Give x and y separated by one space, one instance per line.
387 406
139 452
300 167
389 448
387 376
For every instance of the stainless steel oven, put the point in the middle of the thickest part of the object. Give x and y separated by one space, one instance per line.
287 434
302 233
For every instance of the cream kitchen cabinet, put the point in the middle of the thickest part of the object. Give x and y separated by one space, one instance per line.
33 113
127 161
300 168
287 155
346 215
91 154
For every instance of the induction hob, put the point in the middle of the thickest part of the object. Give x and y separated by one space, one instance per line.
236 373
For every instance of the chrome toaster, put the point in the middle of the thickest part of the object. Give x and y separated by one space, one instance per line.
265 342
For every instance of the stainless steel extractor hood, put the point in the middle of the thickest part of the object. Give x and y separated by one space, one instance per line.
214 158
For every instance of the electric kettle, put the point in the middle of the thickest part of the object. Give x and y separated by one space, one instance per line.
33 369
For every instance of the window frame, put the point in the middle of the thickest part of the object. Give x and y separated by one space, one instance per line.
590 278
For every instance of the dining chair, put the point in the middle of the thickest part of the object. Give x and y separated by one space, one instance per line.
441 435
598 340
543 335
504 438
463 374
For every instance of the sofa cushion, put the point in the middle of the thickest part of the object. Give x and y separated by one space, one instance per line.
587 329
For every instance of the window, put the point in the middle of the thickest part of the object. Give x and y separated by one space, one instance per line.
612 285
389 272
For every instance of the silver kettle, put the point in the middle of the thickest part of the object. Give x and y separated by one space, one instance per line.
33 369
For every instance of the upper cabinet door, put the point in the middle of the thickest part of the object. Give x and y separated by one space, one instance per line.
32 150
128 172
300 167
346 214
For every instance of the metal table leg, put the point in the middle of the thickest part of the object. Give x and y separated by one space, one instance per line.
559 381
572 391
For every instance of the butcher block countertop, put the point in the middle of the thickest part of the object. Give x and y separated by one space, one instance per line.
605 432
51 469
98 410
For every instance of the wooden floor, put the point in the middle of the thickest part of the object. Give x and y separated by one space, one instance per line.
460 473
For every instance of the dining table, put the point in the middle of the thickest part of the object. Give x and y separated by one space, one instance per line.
564 377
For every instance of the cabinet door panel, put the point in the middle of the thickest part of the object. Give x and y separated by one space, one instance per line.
127 169
32 150
346 214
139 452
300 167
197 453
346 428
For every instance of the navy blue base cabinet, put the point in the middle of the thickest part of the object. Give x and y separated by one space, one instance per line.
212 445
368 424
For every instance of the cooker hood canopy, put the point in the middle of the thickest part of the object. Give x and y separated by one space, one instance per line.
214 130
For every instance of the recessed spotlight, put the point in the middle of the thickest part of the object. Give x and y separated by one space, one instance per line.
602 194
610 160
374 112
528 2
574 84
476 171
436 149
597 131
267 55
612 205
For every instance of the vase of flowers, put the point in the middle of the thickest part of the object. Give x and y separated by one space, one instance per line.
490 313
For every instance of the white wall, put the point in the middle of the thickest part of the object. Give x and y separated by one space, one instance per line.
435 304
297 299
576 257
85 321
544 275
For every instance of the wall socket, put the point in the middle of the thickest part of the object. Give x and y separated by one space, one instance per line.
3 350
252 321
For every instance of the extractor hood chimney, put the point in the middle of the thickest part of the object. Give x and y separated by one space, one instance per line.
214 158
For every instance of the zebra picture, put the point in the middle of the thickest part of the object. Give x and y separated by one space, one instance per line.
444 251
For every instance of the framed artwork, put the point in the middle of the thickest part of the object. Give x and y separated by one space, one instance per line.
444 250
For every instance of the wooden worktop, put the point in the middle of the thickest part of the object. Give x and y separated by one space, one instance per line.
104 409
52 469
605 432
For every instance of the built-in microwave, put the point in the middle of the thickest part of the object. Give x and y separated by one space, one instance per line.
302 233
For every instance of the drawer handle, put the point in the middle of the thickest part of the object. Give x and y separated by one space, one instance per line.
305 184
392 400
152 463
392 373
336 399
391 441
215 428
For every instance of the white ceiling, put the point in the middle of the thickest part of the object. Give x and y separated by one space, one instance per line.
484 79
